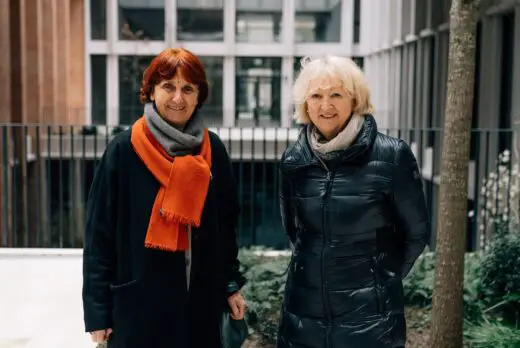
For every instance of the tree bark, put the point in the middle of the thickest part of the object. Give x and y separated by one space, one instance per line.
447 314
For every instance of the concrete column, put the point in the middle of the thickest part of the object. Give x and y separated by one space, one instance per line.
113 90
229 91
230 25
368 39
170 9
347 24
287 61
393 24
400 33
229 80
386 21
286 97
288 14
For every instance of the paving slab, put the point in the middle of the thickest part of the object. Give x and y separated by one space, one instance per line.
40 299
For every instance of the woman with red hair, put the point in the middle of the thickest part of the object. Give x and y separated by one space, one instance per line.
160 264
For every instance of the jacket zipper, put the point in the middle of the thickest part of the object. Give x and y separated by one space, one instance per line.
324 282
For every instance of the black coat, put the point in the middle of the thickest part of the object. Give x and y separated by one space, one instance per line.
139 292
356 230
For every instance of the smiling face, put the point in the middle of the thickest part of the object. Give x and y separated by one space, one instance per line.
329 106
175 100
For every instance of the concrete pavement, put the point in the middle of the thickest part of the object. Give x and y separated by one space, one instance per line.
40 299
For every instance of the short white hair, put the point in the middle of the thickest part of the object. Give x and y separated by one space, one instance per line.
351 76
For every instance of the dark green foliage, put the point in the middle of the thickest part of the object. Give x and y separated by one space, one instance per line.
499 277
264 291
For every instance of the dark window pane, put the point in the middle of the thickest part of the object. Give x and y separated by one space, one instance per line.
421 9
98 19
318 21
131 70
259 21
297 66
200 20
98 71
258 90
360 61
357 20
141 20
212 109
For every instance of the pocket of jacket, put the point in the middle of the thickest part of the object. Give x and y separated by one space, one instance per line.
118 287
125 309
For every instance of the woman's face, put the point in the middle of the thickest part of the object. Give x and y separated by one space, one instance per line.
175 99
329 106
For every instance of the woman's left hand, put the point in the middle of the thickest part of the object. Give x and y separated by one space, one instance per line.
238 306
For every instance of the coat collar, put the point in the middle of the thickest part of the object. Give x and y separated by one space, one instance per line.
300 155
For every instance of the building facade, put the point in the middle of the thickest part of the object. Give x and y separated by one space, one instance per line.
250 48
405 48
80 62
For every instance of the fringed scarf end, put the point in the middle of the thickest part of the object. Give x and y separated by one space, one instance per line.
178 219
162 247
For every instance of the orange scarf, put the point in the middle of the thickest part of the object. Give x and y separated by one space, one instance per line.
184 185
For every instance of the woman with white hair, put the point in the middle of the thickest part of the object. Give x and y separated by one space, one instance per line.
353 207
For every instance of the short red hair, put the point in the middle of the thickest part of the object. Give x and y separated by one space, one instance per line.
165 66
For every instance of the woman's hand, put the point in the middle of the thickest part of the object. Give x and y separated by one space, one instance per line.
100 335
238 305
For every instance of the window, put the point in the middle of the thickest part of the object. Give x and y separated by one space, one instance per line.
357 20
360 62
200 20
131 70
98 70
141 19
297 66
98 19
212 110
259 21
318 20
258 89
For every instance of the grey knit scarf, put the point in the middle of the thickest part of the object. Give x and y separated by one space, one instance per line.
174 141
328 150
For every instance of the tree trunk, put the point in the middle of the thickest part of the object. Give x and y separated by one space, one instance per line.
447 315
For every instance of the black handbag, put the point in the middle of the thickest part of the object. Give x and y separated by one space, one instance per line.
233 332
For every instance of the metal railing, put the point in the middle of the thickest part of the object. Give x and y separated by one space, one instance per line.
46 171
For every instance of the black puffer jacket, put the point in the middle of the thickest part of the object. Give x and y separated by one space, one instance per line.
357 225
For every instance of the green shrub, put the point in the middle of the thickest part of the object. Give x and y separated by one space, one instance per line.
418 285
492 334
499 276
264 290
